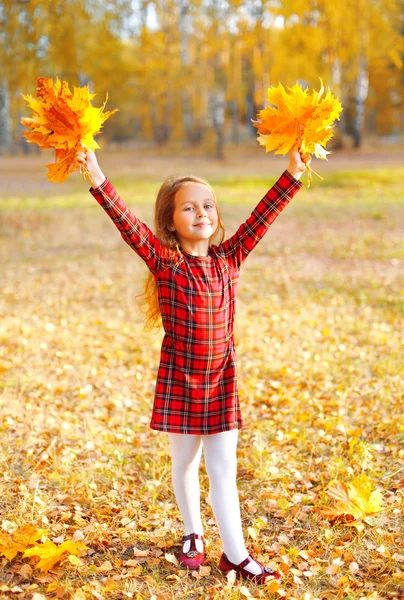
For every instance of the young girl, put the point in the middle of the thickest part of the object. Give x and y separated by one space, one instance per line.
194 283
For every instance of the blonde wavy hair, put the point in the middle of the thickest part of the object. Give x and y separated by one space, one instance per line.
163 220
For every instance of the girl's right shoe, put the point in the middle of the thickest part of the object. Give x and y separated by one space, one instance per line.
192 559
266 572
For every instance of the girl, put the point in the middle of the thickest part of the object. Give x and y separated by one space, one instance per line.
192 287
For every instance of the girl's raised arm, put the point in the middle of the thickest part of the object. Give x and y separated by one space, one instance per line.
239 245
135 233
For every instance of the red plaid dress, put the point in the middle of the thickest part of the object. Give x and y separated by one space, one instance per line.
196 389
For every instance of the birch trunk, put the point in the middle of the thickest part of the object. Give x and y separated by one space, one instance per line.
218 117
361 93
5 119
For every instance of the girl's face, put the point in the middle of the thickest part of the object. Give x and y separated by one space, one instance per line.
195 216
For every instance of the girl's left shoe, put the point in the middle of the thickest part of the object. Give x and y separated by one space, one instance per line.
266 572
192 559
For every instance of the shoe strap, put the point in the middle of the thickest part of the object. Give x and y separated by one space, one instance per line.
192 536
251 559
192 547
245 562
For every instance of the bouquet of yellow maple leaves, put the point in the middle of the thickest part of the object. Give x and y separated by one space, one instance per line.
298 116
65 121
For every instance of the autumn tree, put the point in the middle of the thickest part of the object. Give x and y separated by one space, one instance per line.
77 41
179 71
346 45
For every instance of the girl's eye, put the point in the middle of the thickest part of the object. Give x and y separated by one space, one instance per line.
208 206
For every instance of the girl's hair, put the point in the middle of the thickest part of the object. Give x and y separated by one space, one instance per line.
163 219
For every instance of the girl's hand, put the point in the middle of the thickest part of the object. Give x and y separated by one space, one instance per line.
298 162
87 158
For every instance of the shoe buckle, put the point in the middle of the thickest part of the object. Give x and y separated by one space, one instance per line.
192 554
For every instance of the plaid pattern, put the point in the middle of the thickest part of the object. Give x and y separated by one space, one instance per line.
196 389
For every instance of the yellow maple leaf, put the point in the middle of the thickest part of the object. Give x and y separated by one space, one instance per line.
355 499
8 547
25 536
28 534
298 116
284 119
50 554
65 121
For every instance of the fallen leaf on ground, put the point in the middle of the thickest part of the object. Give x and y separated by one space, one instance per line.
171 559
50 554
355 499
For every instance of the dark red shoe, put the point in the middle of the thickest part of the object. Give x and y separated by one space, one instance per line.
192 559
225 566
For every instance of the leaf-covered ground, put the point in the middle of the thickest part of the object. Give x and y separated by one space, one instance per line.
321 377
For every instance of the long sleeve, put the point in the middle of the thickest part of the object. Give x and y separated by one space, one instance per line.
238 246
135 233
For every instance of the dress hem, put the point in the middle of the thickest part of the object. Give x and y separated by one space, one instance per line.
195 431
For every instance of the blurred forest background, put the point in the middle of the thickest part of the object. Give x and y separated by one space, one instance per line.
195 72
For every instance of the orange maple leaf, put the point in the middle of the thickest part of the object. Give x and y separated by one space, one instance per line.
65 121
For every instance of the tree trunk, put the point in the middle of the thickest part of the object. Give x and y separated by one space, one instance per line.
251 112
160 115
340 126
191 121
235 117
361 93
218 114
192 126
5 119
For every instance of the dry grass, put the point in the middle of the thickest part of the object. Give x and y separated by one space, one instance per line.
320 339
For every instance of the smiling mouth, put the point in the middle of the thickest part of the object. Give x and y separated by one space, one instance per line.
203 225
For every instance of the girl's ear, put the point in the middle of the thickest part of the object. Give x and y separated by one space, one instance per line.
171 228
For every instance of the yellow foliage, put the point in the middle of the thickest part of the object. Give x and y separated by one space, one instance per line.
356 499
24 537
64 121
50 553
296 115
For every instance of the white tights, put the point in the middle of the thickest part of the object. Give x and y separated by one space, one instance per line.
220 452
